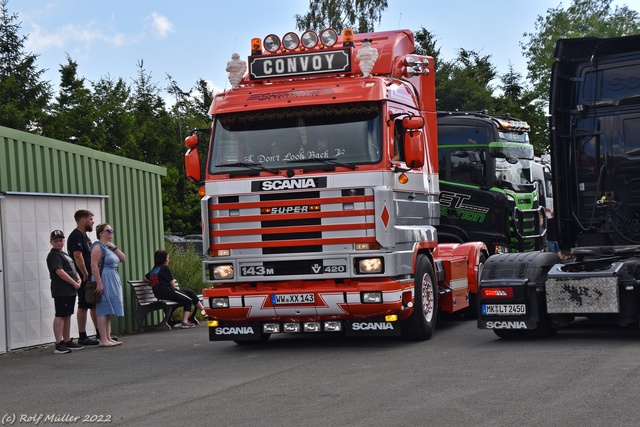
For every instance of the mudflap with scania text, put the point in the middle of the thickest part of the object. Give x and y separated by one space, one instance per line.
508 296
233 331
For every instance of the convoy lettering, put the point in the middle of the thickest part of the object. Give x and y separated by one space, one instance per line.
335 61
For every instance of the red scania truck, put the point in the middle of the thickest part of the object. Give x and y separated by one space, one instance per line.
320 194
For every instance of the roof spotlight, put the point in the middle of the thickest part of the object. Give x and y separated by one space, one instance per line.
309 39
329 37
271 43
291 41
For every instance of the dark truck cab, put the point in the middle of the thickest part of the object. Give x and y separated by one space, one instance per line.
595 157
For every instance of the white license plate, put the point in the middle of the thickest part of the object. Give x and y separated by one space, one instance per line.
293 299
503 309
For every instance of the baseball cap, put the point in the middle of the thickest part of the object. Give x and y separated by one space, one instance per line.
56 233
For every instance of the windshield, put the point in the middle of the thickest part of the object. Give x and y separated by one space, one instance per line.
273 139
515 174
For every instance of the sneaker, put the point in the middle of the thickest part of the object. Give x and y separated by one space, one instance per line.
61 349
187 325
73 346
88 341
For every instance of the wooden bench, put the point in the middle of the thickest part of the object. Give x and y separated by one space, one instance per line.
146 302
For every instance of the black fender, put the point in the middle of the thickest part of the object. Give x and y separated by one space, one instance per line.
525 273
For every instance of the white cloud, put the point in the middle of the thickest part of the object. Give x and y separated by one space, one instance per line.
160 24
40 40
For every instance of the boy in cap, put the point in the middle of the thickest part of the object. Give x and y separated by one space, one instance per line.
64 285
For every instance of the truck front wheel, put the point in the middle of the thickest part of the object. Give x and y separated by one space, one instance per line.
421 324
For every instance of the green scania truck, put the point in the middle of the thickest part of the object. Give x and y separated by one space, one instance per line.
487 189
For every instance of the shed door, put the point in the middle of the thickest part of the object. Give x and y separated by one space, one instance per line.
3 324
26 223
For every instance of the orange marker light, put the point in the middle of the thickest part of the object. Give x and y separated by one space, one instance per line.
256 46
347 37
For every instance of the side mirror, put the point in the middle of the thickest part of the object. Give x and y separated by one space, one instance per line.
413 123
191 141
192 165
413 148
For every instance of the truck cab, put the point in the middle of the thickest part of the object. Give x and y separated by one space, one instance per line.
320 193
487 189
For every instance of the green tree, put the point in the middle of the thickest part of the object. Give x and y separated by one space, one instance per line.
155 133
425 44
114 123
360 15
583 18
73 112
465 83
25 97
516 100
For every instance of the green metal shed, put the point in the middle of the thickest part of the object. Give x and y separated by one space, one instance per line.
42 182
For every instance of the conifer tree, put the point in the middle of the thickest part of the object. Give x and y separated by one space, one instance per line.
24 97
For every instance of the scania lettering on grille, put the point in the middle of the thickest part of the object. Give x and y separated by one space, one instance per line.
289 184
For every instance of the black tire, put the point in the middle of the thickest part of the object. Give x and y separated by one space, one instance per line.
472 311
422 322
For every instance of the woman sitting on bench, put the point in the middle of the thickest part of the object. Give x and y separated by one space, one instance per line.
164 286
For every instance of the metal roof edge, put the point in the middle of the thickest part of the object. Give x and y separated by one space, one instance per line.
79 149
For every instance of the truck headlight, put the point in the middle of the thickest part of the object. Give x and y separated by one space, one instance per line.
370 265
223 271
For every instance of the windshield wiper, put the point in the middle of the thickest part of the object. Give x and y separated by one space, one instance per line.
253 166
328 161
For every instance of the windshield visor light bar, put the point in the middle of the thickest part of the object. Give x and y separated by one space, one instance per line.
496 293
219 302
371 297
514 125
223 271
369 265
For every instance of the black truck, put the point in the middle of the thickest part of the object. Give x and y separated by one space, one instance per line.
595 157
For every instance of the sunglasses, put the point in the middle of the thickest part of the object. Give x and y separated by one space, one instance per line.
109 230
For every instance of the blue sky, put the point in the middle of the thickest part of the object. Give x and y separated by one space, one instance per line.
192 39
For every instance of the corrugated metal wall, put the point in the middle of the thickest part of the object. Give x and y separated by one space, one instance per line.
34 164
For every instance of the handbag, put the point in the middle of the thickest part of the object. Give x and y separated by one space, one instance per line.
90 295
